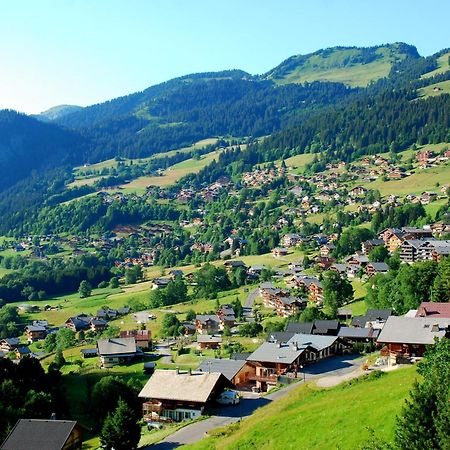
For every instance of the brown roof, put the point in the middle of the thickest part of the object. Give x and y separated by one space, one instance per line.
427 309
182 386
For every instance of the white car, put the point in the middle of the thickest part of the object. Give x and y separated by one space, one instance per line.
228 398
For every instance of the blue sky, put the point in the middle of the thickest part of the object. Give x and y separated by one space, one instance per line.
86 51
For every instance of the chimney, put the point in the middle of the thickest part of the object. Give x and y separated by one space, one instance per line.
435 328
177 370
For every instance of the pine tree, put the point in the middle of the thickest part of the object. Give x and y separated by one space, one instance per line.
121 430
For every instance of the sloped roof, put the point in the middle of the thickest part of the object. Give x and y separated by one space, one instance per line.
205 338
183 386
39 434
356 332
300 327
427 309
275 353
279 336
116 346
227 367
413 330
318 342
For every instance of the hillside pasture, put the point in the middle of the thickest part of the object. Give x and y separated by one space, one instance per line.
434 90
421 180
320 419
172 174
443 66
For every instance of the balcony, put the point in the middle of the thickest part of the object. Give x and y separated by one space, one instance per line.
268 378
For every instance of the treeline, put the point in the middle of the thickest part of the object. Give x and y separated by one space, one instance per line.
41 279
214 107
404 289
27 391
95 215
27 145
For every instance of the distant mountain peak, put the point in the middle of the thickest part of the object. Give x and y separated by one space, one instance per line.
56 112
353 66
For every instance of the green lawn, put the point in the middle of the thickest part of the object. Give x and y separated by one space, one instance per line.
433 90
171 174
322 69
443 66
298 162
421 180
320 419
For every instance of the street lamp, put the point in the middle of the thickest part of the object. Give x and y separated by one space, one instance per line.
304 373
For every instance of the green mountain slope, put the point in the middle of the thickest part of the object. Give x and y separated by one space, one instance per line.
313 419
57 112
352 66
28 146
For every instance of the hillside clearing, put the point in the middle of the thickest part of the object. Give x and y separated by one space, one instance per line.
434 90
172 174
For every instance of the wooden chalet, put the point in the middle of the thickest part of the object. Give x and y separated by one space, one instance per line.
174 396
207 324
143 338
408 337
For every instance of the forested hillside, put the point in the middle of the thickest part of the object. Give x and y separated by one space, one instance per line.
28 146
329 118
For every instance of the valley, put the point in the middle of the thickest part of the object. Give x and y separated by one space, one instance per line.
245 230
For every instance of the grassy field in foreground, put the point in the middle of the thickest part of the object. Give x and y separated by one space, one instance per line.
310 418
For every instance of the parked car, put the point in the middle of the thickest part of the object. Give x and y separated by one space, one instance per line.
228 398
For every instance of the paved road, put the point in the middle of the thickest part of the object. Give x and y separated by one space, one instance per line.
164 351
251 297
332 367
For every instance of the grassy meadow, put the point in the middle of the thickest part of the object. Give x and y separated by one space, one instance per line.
320 419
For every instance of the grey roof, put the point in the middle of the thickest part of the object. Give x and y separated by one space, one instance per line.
322 326
204 317
299 327
205 338
355 332
30 434
36 328
228 367
318 342
23 350
413 330
279 336
89 351
339 267
240 356
275 353
379 266
378 314
116 346
13 342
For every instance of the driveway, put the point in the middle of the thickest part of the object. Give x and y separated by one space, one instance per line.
164 351
251 297
337 368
